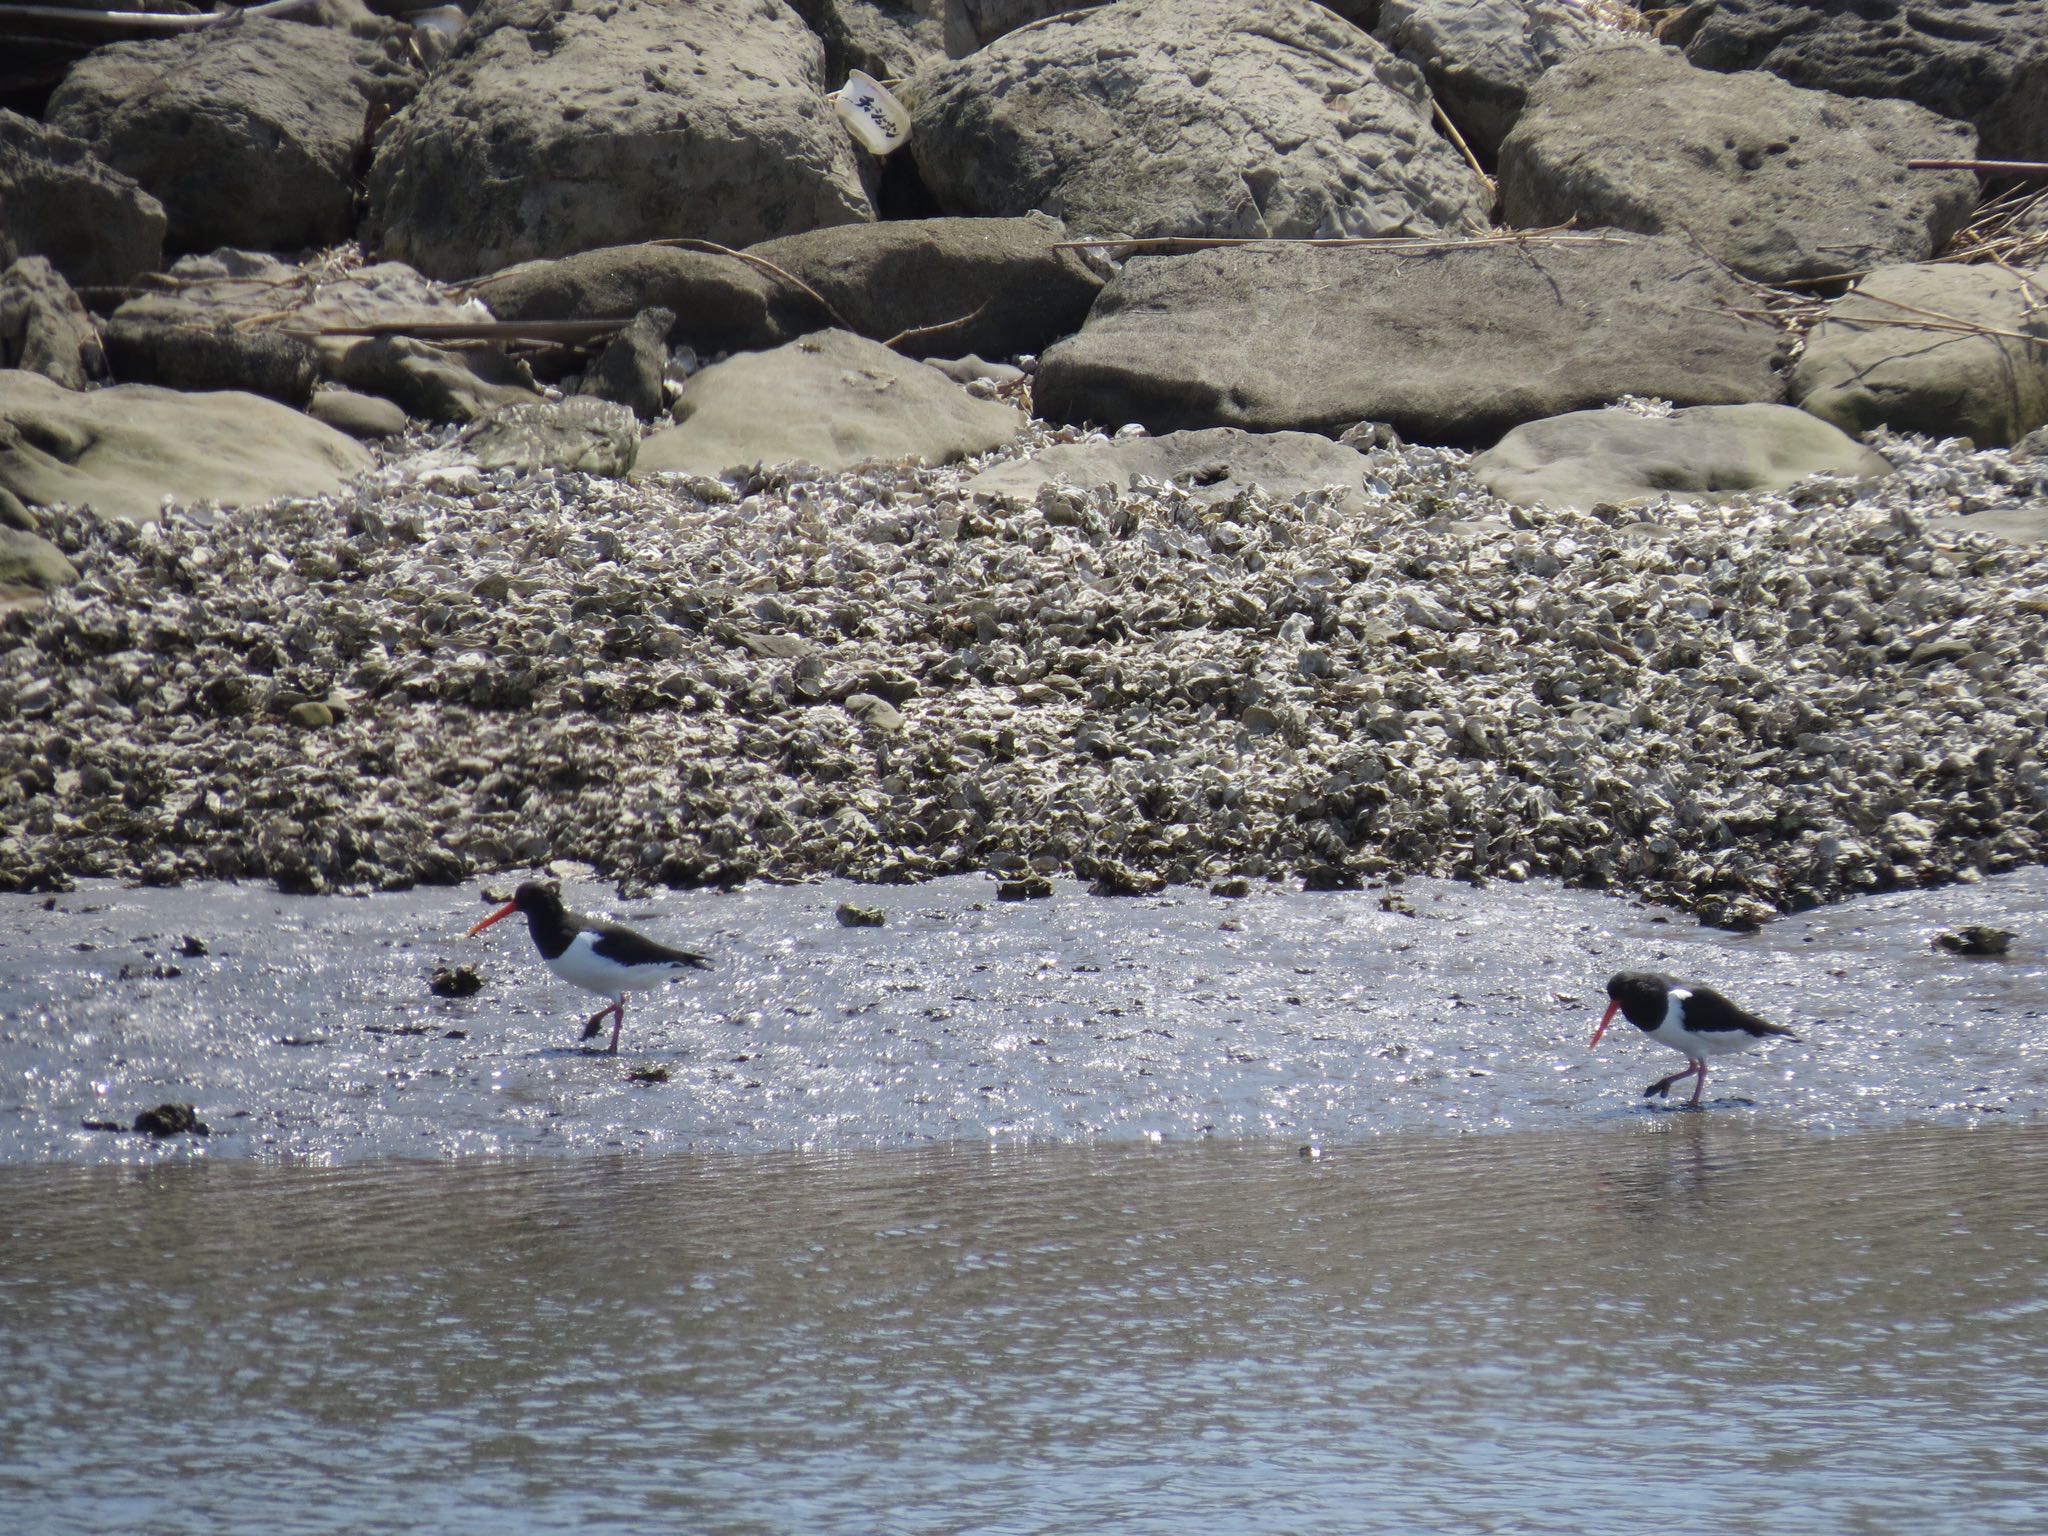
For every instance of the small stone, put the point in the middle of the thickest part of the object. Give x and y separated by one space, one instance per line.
1236 887
171 1120
1116 880
1024 888
191 947
456 981
875 713
851 916
648 1075
1977 939
310 714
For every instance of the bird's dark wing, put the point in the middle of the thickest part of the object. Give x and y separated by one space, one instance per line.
629 948
1708 1009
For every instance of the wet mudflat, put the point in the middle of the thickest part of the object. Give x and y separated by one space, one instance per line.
1304 1213
308 1031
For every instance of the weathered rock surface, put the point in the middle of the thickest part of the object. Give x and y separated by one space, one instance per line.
1936 349
1707 452
722 302
30 560
598 437
1778 182
261 360
236 287
890 39
125 450
58 199
1481 56
1981 61
246 132
564 125
43 327
633 364
1447 346
1193 117
833 400
1001 277
359 415
435 383
1213 465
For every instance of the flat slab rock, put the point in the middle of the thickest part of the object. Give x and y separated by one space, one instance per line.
1703 453
1448 345
1879 360
1780 183
1192 117
125 450
834 400
1213 465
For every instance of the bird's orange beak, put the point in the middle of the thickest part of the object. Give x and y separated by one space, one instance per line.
1605 1018
505 911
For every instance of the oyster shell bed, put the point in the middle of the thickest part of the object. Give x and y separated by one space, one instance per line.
1739 709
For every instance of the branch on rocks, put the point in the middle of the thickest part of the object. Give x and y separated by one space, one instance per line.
919 332
77 19
543 332
1450 129
712 247
1555 234
1983 167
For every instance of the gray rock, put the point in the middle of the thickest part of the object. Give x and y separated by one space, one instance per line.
722 303
632 365
247 132
30 560
126 449
1778 182
2019 523
262 360
890 39
1214 465
1193 117
360 416
1982 61
598 437
833 400
1481 56
1001 276
1701 454
58 199
1882 359
241 287
431 382
969 25
44 328
1449 346
564 125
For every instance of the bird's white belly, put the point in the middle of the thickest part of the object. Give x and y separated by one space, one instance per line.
587 969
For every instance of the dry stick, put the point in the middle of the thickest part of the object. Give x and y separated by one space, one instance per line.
144 21
568 332
918 332
1983 167
1451 129
1555 234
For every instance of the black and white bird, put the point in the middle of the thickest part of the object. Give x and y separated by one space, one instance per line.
594 954
1694 1020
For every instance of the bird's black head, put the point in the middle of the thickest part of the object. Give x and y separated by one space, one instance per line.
538 898
1641 996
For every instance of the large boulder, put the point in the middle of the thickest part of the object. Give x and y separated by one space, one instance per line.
1481 56
1936 349
1983 61
1193 117
58 199
1448 345
1211 466
992 286
890 39
972 24
125 450
1779 182
564 125
246 132
833 400
1707 453
722 302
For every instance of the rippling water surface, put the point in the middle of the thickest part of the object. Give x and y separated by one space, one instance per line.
1294 1214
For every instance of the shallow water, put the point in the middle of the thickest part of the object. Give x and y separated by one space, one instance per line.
1693 1321
308 1032
1302 1213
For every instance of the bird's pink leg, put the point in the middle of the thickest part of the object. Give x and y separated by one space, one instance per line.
1701 1081
1664 1084
618 1013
